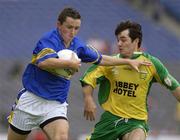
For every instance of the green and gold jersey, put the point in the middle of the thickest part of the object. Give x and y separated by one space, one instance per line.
123 91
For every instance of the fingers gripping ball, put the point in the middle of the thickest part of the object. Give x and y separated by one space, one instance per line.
66 55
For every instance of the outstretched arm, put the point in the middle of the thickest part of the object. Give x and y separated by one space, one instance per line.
176 93
111 61
89 104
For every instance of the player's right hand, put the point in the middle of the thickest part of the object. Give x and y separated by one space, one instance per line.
75 63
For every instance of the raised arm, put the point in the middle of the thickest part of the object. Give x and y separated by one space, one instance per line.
89 104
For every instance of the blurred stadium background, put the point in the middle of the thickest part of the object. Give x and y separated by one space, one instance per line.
22 22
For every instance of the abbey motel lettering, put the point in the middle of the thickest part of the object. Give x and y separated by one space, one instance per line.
125 88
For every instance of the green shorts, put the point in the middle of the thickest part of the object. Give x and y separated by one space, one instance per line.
111 127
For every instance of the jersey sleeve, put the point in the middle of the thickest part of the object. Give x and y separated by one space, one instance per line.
163 76
43 50
92 75
89 54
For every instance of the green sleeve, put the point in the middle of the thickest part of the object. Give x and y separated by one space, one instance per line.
92 76
162 75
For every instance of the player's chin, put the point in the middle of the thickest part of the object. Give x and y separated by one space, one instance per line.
122 52
70 38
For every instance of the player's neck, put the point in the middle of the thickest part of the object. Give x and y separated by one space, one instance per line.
67 44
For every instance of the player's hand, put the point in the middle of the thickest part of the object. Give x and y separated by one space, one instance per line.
75 63
89 109
135 64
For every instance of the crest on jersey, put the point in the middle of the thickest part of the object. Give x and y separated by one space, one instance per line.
143 74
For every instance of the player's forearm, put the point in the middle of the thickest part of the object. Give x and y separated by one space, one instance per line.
89 104
111 61
87 92
54 63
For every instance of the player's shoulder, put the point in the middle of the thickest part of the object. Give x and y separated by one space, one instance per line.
150 56
48 40
154 60
51 35
51 38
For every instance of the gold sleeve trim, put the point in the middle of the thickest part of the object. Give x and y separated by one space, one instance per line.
42 53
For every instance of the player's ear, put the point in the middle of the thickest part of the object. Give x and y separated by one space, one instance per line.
136 40
57 23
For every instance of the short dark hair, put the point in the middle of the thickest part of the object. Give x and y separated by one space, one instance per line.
68 12
134 28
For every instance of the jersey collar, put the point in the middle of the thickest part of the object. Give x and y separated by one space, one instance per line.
134 56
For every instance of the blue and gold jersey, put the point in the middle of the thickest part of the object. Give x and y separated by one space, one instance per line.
49 85
123 91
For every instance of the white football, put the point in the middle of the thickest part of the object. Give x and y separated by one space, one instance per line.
66 55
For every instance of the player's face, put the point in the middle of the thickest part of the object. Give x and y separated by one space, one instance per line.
69 29
125 45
